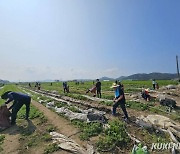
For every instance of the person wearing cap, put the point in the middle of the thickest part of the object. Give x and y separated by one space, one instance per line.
119 99
19 100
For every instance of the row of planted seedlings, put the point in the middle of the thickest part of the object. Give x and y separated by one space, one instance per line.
33 133
104 136
152 107
105 143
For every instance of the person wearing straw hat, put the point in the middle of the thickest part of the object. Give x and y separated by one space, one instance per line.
145 94
119 99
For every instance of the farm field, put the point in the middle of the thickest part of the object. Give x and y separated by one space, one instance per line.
108 135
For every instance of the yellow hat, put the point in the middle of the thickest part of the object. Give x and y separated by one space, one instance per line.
114 85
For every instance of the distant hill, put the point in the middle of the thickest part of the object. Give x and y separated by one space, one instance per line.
47 80
144 76
106 78
121 78
4 81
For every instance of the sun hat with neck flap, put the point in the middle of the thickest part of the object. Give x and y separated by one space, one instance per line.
114 85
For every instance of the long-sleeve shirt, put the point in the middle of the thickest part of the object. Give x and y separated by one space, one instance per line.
17 97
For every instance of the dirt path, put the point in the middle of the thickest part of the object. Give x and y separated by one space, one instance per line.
12 145
64 126
11 142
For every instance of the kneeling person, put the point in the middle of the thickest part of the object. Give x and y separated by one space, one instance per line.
19 100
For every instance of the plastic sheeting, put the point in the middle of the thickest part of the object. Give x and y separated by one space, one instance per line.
70 145
86 115
161 123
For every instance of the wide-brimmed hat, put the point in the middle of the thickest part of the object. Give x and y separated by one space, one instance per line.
114 85
147 89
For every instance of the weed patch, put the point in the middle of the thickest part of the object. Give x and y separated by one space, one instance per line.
88 129
137 105
113 136
51 148
2 137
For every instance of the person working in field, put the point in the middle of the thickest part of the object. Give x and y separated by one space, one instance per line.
119 99
154 84
157 86
145 94
92 90
98 88
120 84
19 100
65 87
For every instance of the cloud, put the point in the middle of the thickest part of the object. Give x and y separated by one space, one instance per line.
33 73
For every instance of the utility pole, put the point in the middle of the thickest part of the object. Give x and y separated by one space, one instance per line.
177 68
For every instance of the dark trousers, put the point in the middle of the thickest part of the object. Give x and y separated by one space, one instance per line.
98 93
123 107
17 106
154 86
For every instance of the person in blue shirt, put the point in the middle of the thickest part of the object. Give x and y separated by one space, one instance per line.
119 99
19 100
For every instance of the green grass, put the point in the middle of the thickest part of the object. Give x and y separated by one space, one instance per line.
74 109
2 137
77 96
51 148
137 105
61 104
107 103
34 113
113 136
151 136
76 91
88 129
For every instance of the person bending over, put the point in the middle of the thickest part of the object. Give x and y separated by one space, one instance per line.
19 99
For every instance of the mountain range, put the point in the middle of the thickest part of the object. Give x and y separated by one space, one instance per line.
4 81
138 76
144 76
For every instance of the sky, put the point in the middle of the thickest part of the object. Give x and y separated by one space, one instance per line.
87 39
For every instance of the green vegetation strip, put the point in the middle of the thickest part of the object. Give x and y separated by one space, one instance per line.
88 129
107 92
2 137
150 106
51 148
113 136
